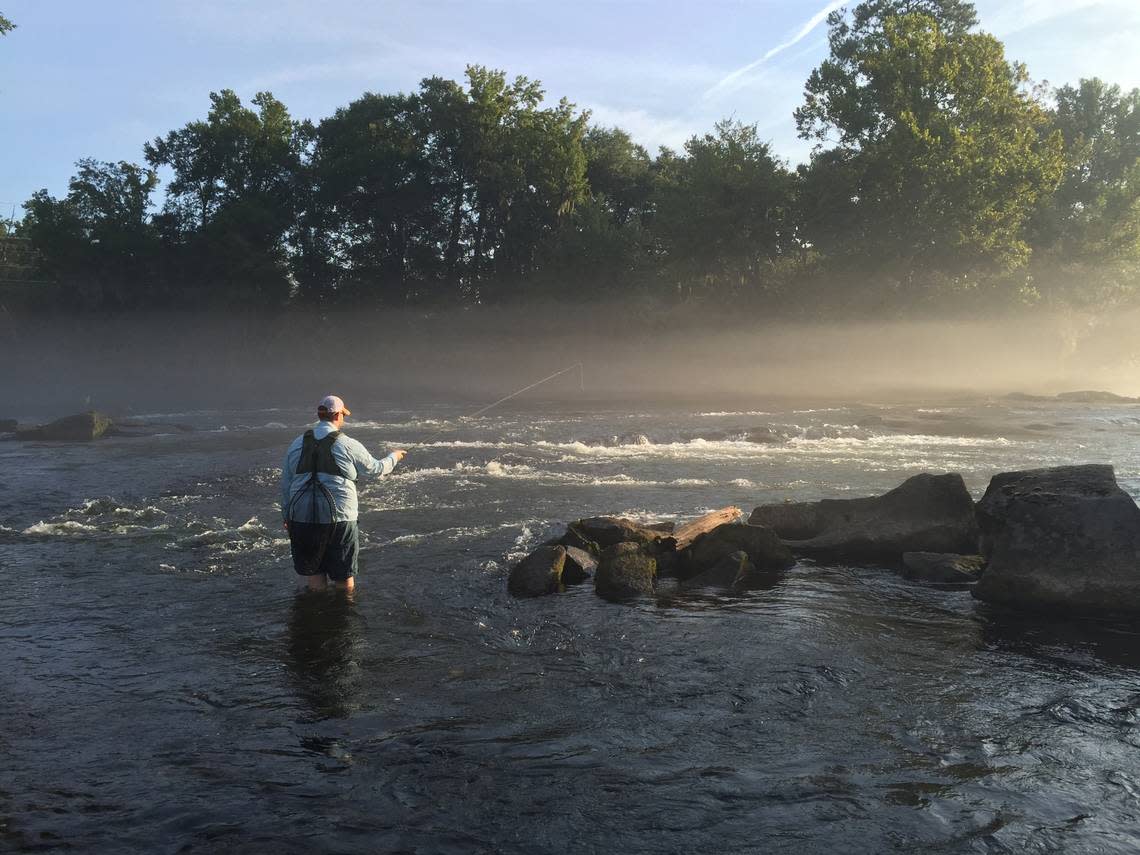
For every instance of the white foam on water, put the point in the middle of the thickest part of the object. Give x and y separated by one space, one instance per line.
497 470
735 413
59 528
456 533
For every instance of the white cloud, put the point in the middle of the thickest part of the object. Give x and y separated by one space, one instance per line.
645 128
733 80
1019 15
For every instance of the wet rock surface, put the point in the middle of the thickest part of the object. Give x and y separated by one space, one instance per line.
580 566
760 545
926 513
81 427
625 570
539 573
942 568
1060 538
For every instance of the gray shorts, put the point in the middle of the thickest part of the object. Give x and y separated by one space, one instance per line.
329 549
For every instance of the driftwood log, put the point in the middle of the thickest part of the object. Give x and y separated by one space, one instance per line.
685 534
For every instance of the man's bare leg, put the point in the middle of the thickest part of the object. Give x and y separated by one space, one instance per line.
317 582
348 584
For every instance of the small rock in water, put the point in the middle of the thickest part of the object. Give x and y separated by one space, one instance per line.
580 566
539 573
607 531
624 570
942 567
759 543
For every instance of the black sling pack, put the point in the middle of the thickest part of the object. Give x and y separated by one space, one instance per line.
317 456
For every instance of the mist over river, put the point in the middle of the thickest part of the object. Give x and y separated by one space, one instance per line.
167 690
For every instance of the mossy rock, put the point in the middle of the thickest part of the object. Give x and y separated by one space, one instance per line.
624 571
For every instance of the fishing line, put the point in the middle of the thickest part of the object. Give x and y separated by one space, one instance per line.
515 394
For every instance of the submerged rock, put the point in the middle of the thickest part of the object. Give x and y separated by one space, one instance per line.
539 573
926 513
944 568
625 570
1060 538
1095 396
764 436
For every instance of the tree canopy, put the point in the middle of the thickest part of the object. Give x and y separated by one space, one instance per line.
941 148
940 177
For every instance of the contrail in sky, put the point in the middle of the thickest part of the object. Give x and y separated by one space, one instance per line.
816 19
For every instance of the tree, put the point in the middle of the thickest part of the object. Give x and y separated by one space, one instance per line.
526 173
722 211
235 195
98 241
449 191
6 26
1095 213
942 152
603 248
376 198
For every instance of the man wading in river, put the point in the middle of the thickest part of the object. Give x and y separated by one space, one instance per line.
318 496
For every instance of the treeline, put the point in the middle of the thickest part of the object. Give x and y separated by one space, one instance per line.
941 179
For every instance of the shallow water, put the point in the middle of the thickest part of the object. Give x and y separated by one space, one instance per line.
168 691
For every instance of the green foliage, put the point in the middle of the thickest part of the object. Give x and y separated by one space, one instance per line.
1095 214
450 191
935 178
941 157
97 241
234 196
6 26
722 211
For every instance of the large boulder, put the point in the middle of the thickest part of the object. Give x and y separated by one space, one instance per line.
539 573
1060 538
943 568
926 513
625 570
761 545
77 428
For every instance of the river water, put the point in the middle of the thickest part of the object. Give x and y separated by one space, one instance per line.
168 690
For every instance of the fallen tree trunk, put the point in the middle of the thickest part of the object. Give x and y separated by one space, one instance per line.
690 531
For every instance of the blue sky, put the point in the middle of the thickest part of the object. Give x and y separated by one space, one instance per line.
82 79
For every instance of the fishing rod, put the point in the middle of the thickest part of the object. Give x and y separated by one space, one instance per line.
515 394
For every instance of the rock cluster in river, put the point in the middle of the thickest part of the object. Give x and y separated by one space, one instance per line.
83 427
1064 538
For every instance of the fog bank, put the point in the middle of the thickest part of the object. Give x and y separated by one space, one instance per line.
630 353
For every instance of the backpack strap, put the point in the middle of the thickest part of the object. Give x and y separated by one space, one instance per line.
317 455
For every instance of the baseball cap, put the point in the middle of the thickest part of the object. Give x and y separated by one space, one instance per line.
331 405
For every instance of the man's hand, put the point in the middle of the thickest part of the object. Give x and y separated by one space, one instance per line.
399 454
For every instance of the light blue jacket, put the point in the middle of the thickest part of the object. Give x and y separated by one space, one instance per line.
353 459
